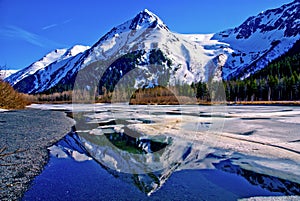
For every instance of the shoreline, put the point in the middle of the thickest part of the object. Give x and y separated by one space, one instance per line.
275 103
261 151
25 138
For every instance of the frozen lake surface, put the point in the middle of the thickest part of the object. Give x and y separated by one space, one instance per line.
123 152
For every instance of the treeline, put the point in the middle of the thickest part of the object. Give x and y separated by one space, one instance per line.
280 80
11 99
172 95
57 97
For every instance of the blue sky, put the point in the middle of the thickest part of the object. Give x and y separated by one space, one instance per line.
29 29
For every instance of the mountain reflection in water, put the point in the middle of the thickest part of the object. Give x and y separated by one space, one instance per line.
159 166
192 175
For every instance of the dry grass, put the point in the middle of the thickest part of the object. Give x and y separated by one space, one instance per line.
10 99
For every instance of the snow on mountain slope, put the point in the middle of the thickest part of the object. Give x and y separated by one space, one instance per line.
54 56
46 60
73 51
146 32
189 60
151 54
44 78
6 73
124 36
261 39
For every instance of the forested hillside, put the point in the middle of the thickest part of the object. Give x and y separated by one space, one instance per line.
280 80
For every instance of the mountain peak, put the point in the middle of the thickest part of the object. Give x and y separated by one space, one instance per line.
147 19
76 49
284 19
145 40
147 12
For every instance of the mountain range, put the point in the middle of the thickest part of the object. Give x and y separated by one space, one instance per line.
144 52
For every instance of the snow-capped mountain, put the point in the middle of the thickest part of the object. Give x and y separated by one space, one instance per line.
46 60
144 52
6 73
152 43
52 57
261 39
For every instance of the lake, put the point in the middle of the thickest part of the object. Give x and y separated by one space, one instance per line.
124 152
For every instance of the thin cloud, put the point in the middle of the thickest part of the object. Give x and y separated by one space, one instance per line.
55 25
49 26
67 21
13 32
